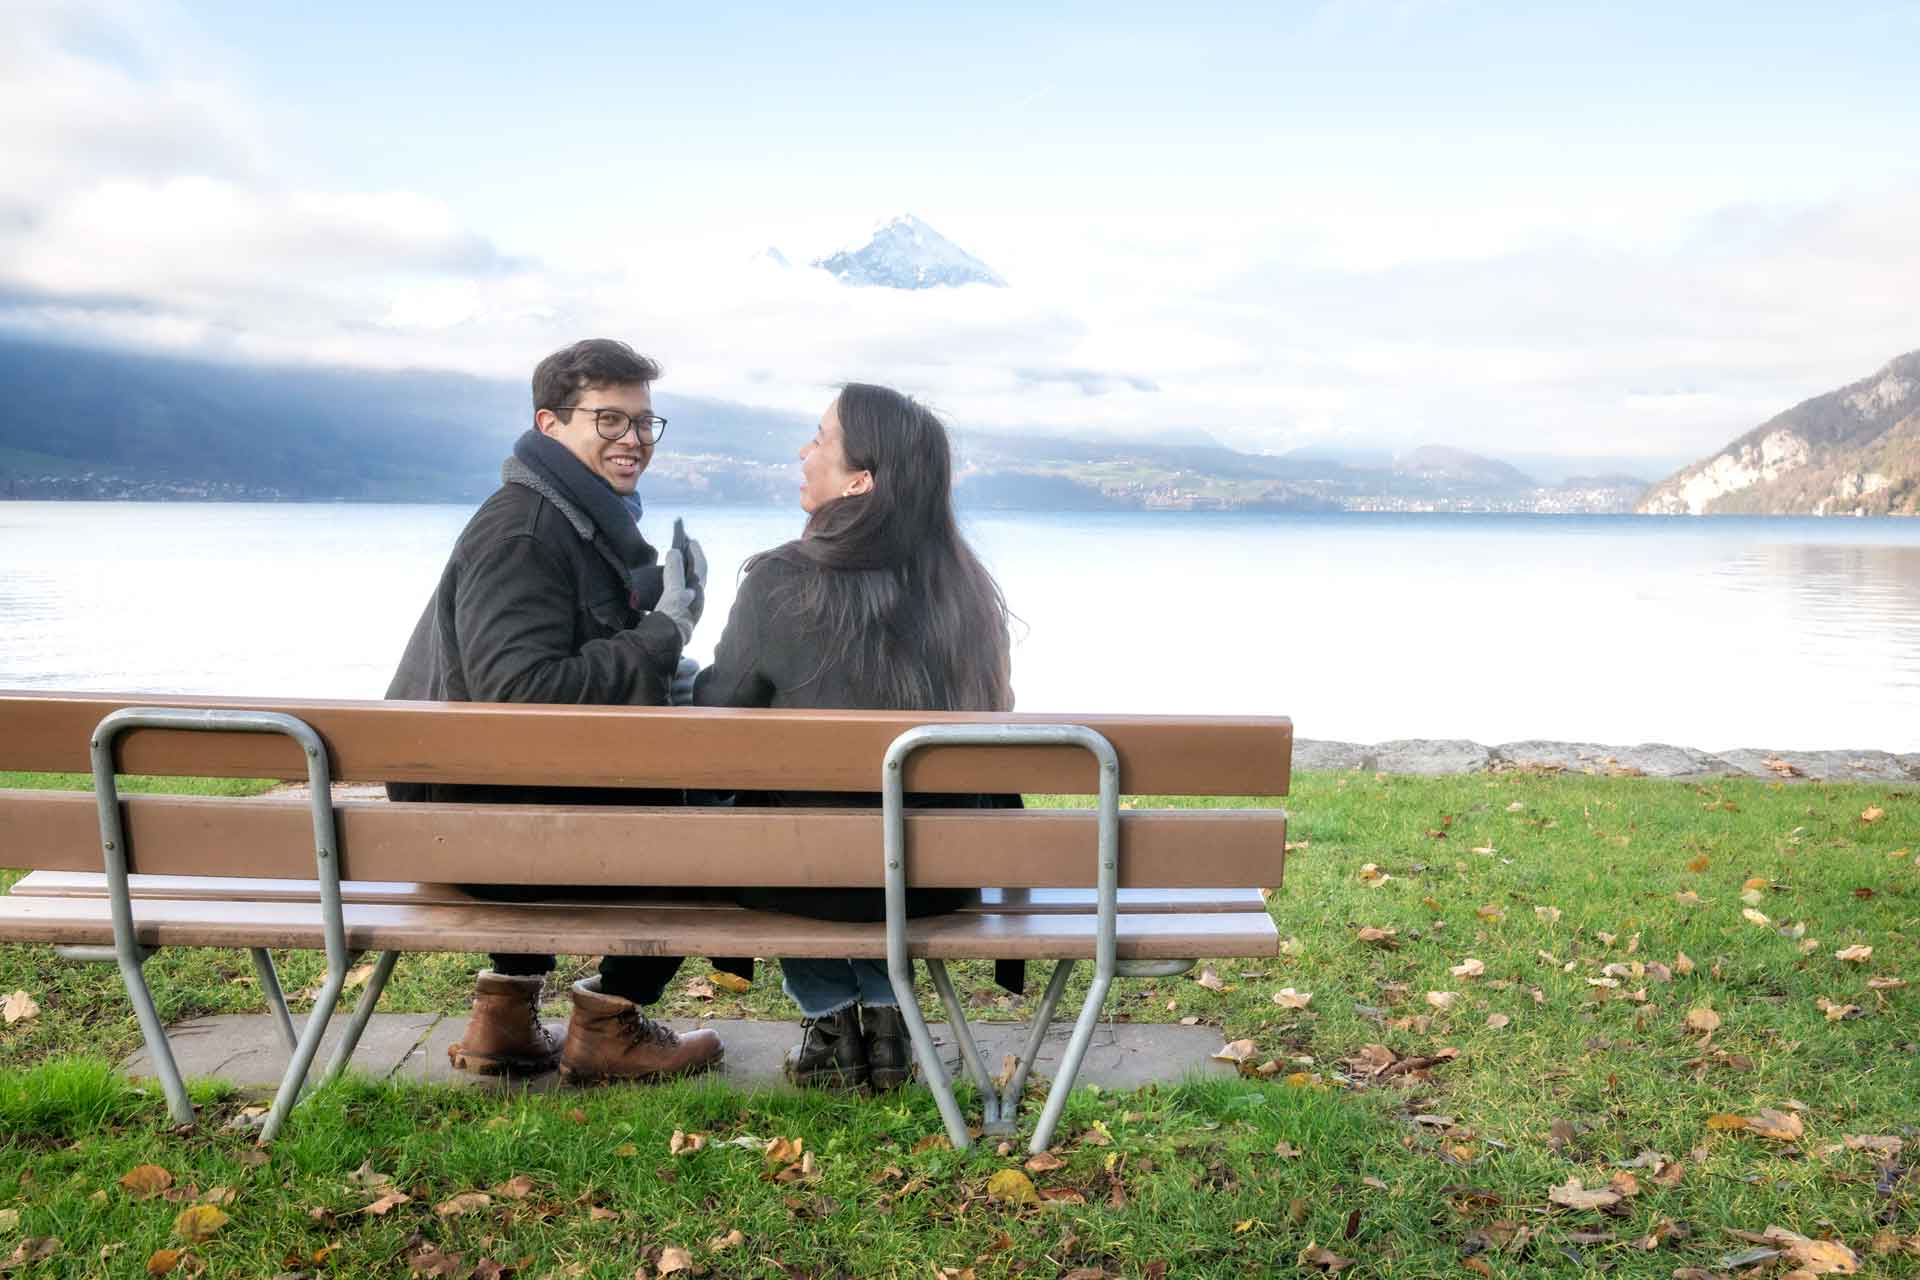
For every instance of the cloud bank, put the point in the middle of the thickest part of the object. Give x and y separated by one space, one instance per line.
141 203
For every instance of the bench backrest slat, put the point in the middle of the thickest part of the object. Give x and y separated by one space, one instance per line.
655 747
561 845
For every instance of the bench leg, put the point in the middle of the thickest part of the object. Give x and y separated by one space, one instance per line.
361 1013
932 1071
1076 1052
155 1034
275 997
1042 1017
970 1060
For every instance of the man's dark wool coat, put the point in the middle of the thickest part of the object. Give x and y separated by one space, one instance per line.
535 606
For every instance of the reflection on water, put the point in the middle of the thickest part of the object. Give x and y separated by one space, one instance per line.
1713 633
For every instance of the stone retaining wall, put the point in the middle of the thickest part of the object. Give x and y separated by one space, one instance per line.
1649 759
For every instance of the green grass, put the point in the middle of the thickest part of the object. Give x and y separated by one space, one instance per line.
1476 868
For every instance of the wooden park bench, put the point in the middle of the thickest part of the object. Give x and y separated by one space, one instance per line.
1140 892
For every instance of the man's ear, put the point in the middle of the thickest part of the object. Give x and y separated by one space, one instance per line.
546 421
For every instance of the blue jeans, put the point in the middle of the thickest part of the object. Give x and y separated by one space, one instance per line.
824 987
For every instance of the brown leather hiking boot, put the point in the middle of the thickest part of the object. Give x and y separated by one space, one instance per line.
610 1039
831 1054
889 1052
505 1035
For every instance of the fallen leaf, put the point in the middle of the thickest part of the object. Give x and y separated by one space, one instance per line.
466 1202
1045 1162
1010 1186
365 1176
1548 915
199 1223
1688 898
1327 1260
9 1221
685 1144
1837 1012
1097 1135
1699 863
1574 1196
1288 998
732 1240
1237 1052
787 1150
518 1187
1209 979
1872 813
1468 968
1885 984
163 1261
1387 939
18 1007
626 1151
1443 999
387 1203
1287 1150
1703 1020
673 1258
430 1262
32 1249
1492 913
1682 964
1880 1144
1373 876
144 1181
1855 954
730 982
1779 1126
1754 917
1495 1021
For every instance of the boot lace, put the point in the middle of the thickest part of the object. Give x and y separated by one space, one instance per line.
641 1029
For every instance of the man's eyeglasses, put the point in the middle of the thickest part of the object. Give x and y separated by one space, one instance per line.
612 424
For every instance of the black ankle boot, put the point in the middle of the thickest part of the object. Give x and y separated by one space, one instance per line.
831 1054
889 1052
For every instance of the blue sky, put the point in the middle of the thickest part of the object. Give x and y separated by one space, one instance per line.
1627 229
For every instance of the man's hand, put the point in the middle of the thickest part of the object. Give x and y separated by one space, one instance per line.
677 599
680 692
698 556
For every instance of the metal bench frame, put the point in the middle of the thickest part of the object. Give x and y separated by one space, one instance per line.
1000 1107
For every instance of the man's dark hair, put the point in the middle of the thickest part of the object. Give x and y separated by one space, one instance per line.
596 362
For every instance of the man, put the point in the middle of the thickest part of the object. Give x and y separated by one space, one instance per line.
552 595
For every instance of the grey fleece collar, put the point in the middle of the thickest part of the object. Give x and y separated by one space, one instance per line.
514 471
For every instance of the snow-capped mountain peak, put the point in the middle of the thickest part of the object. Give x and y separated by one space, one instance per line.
905 253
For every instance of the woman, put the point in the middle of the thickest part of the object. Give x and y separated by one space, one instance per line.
879 604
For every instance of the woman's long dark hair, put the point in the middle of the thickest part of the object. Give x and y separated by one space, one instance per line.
896 588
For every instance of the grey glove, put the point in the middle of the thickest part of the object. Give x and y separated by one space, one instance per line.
699 566
680 692
677 599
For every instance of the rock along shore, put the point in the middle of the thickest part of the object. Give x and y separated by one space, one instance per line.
1649 760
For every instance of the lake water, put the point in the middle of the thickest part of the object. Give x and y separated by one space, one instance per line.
1782 633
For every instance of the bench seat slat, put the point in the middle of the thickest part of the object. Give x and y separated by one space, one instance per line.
556 845
77 884
625 930
761 748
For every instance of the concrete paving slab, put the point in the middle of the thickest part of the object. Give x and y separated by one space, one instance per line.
245 1049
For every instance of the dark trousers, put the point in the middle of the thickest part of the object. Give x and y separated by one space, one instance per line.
641 979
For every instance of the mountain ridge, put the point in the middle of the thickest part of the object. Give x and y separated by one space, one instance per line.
175 428
906 253
1851 451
